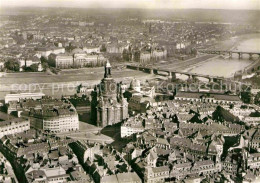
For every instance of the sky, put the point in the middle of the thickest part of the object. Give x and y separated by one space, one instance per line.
151 4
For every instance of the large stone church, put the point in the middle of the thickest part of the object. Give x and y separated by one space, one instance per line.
108 105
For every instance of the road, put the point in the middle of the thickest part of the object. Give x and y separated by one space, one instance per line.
182 65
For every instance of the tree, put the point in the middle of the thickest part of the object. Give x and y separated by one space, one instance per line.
194 51
12 65
31 68
70 47
187 50
257 99
51 60
246 97
34 67
45 66
137 56
43 60
126 55
103 48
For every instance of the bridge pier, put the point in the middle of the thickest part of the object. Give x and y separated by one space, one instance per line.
230 54
151 71
250 56
210 80
172 76
193 77
215 79
239 55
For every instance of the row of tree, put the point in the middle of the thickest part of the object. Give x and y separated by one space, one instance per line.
48 62
13 65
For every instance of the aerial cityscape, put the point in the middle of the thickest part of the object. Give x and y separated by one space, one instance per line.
130 91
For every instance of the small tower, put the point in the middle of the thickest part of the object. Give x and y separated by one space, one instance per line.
107 70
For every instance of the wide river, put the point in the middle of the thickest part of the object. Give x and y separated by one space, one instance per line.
228 67
66 82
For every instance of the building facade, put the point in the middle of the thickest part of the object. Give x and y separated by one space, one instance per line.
14 126
64 61
45 52
88 60
20 96
79 58
61 120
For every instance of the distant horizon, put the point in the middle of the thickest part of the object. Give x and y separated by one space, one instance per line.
14 6
136 4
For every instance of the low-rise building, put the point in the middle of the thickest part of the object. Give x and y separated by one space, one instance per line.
45 52
253 161
127 177
89 60
92 49
208 97
16 125
156 174
21 96
51 175
64 61
131 126
47 113
55 120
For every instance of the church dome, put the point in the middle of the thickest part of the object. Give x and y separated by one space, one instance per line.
135 84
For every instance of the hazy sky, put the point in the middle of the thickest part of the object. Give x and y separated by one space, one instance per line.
211 4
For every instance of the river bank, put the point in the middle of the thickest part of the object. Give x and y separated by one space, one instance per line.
64 84
233 42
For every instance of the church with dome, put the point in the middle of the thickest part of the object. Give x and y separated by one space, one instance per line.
108 105
135 89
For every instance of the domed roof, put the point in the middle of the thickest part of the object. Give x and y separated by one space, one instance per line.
135 83
77 50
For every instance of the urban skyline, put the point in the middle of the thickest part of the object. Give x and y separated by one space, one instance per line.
109 92
143 4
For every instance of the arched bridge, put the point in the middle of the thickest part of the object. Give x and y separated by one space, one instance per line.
172 74
230 53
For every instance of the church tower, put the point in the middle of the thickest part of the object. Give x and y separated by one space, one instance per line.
108 104
107 70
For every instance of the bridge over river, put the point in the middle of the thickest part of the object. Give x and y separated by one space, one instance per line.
230 53
171 74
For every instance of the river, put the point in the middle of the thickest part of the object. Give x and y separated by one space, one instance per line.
227 67
64 84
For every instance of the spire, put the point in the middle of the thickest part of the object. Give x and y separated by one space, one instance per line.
107 70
